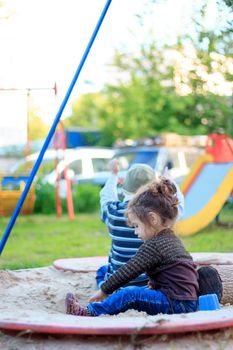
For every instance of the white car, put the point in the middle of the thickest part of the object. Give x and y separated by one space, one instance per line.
85 165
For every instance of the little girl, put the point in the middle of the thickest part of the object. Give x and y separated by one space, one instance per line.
172 275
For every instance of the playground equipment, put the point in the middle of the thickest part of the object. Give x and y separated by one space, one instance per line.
208 185
11 188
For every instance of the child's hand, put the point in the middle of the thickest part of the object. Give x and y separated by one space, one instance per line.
120 181
114 166
150 284
98 296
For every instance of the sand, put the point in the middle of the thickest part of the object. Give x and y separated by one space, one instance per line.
38 295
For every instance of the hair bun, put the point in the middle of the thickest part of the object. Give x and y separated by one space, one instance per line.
165 187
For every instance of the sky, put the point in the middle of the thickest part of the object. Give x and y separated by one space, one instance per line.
42 42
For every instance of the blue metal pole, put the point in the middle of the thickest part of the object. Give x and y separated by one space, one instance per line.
52 130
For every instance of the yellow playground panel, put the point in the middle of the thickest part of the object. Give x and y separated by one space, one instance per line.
9 199
208 186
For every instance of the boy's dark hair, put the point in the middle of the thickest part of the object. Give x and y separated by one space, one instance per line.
209 281
157 196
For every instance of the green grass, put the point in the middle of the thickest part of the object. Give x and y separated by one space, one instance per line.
38 240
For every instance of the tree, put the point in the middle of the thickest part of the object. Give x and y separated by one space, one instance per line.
210 77
85 111
155 93
136 103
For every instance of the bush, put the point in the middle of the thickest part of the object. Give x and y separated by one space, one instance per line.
45 198
229 203
86 198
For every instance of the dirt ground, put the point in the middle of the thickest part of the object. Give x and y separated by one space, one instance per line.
39 294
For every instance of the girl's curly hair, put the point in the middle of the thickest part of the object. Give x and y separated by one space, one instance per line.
159 197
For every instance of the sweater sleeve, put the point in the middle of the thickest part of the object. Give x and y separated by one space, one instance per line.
146 257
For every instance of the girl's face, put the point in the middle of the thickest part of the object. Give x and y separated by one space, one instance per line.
142 230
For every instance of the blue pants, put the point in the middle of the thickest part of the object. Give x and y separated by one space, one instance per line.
101 275
152 302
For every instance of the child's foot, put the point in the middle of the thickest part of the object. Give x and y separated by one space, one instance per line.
73 307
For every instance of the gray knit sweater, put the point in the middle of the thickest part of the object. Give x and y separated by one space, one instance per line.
169 266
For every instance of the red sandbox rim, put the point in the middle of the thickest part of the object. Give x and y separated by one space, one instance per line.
162 324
